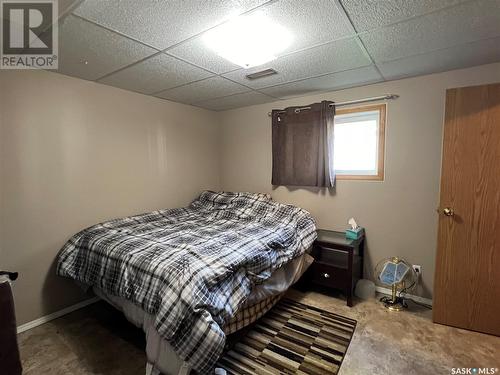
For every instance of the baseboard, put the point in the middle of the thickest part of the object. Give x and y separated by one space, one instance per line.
55 315
388 292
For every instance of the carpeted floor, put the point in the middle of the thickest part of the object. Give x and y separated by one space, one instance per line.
292 338
97 340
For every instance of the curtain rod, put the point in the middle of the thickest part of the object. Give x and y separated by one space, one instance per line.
358 101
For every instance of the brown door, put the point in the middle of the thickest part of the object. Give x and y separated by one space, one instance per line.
467 281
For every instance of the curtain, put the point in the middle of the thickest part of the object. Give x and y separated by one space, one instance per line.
302 146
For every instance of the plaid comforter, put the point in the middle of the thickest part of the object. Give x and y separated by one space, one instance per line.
193 267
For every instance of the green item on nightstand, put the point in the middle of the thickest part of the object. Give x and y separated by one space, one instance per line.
354 234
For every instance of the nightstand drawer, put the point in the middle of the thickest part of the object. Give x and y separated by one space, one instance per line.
328 275
336 257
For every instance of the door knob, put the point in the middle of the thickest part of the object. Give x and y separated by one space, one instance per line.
448 211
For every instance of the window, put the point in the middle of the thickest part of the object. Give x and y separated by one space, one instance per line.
359 137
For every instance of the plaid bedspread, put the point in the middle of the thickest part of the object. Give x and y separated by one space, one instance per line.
193 267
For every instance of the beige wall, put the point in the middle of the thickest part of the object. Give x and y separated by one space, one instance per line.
74 153
399 213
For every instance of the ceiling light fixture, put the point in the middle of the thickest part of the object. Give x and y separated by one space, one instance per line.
248 40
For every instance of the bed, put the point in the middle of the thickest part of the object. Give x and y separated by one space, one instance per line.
190 276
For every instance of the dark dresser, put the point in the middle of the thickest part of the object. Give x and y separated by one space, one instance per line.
338 262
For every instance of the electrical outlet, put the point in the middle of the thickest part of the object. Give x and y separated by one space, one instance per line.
417 269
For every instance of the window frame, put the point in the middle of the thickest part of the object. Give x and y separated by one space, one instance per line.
382 109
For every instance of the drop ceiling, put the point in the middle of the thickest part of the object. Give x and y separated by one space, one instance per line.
155 47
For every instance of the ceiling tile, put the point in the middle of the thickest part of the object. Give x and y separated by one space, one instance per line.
157 73
329 58
203 90
369 14
311 23
197 53
105 51
66 5
330 82
235 101
477 53
465 23
162 24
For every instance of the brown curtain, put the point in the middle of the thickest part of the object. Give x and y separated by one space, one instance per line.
302 148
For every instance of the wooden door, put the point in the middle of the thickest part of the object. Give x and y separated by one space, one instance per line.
467 279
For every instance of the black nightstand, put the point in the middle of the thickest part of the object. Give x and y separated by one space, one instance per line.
338 262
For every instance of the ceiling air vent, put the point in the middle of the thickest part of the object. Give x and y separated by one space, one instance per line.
261 74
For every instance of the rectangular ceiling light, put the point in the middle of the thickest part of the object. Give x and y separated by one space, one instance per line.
248 40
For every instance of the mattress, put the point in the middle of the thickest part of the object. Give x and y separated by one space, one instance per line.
191 268
160 353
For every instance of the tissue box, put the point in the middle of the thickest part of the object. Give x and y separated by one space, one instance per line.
354 234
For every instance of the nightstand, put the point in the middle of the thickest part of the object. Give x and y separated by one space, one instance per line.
338 262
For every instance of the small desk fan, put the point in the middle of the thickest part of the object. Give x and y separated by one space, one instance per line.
397 274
